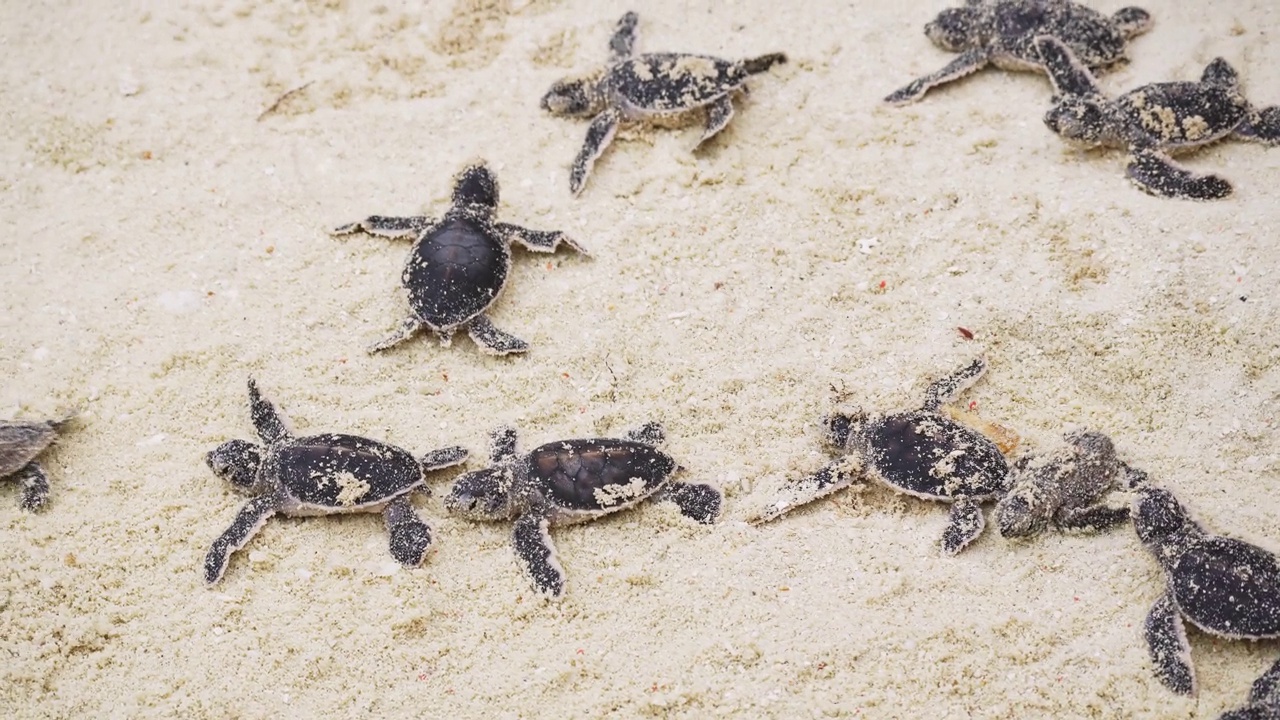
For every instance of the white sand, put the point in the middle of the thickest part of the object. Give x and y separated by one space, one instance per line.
162 244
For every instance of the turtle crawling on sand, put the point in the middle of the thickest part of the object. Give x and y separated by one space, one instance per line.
571 481
459 263
667 88
325 474
20 444
1002 32
921 452
1065 488
1156 121
1225 587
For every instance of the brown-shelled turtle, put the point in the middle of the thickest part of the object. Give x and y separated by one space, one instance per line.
459 263
1002 33
1156 121
326 474
21 442
1225 587
1066 487
662 88
572 481
1264 698
921 452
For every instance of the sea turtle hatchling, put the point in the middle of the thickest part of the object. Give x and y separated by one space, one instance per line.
920 452
1001 33
21 442
325 474
571 481
1226 587
1065 487
661 88
1156 121
459 263
1264 698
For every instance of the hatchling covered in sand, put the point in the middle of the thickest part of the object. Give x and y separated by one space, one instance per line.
921 452
663 88
1225 587
571 481
1002 33
1156 121
459 263
20 444
325 474
1066 488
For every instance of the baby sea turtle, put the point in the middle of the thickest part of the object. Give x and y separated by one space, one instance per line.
1224 586
1264 698
920 452
325 474
1065 488
1156 121
20 443
459 263
666 88
1002 33
571 481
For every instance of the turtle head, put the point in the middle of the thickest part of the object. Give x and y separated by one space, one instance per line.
843 425
1092 445
1080 119
482 495
237 462
1020 514
1159 518
574 98
476 186
955 29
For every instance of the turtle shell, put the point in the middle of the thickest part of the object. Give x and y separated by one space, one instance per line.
1092 36
932 456
597 475
674 82
21 442
455 271
1228 587
1183 114
343 473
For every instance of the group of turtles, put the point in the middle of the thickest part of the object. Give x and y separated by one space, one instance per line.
460 262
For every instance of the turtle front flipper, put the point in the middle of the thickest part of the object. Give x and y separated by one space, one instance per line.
537 240
1157 173
697 501
492 340
623 43
719 114
1069 76
966 523
386 226
948 388
271 424
251 518
1096 518
1261 126
410 536
405 330
537 554
603 127
1167 643
443 458
832 477
969 62
35 487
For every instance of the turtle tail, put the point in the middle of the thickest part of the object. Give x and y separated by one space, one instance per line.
763 63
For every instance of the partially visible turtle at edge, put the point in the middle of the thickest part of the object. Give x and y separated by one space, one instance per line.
664 88
1264 699
21 442
1001 33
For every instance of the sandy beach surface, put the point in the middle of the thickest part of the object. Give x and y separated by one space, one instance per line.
164 239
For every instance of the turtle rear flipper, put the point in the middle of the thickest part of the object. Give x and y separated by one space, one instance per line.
1168 645
719 114
969 62
833 476
248 522
537 554
966 523
697 501
492 340
405 330
35 487
410 537
1261 126
1157 173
